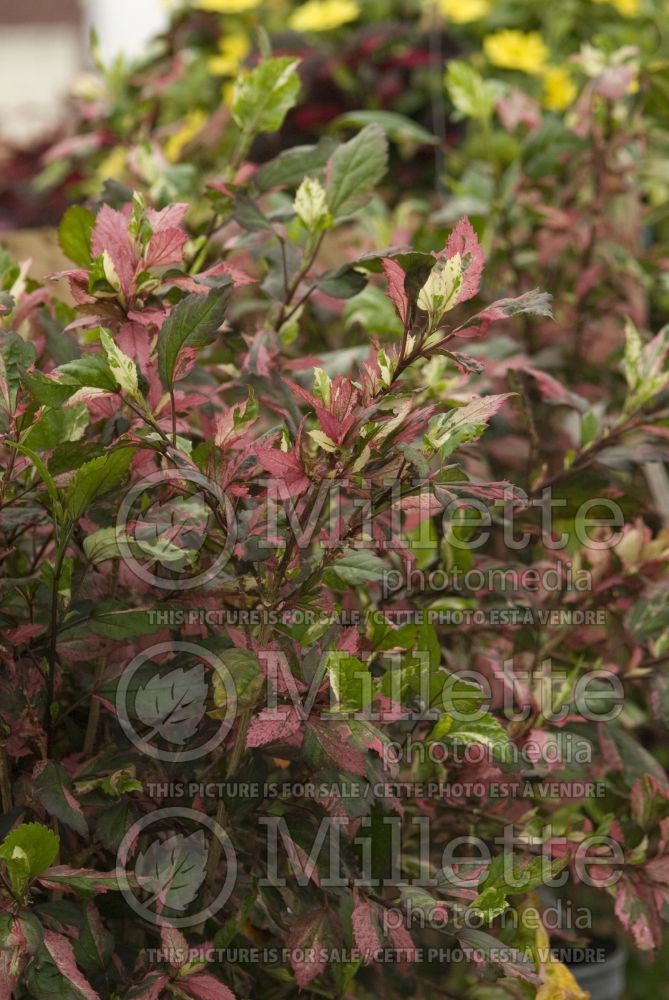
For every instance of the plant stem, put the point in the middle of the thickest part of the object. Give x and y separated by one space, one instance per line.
5 780
53 638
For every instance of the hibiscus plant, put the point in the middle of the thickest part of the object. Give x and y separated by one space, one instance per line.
256 736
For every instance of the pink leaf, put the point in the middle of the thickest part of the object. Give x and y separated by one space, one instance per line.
205 987
65 877
239 277
658 869
62 953
167 218
403 943
333 742
517 108
464 241
265 728
396 289
635 909
175 945
111 234
306 943
24 632
165 247
287 467
134 341
152 987
365 933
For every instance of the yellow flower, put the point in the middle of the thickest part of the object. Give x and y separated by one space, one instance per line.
324 15
559 88
228 6
512 49
193 123
628 8
464 11
233 51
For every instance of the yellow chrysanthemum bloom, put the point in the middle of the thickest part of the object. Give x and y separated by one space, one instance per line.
464 11
228 6
559 88
628 8
510 49
233 51
324 15
193 123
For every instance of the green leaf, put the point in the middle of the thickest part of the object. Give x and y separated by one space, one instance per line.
290 166
112 621
102 545
192 323
16 355
485 730
355 168
645 366
44 475
53 790
248 676
247 213
88 371
447 431
358 567
310 205
121 366
649 617
48 391
74 234
264 95
57 426
471 94
374 312
28 851
347 679
398 127
96 478
490 903
342 283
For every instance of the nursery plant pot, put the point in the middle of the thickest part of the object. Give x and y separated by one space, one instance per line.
603 980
